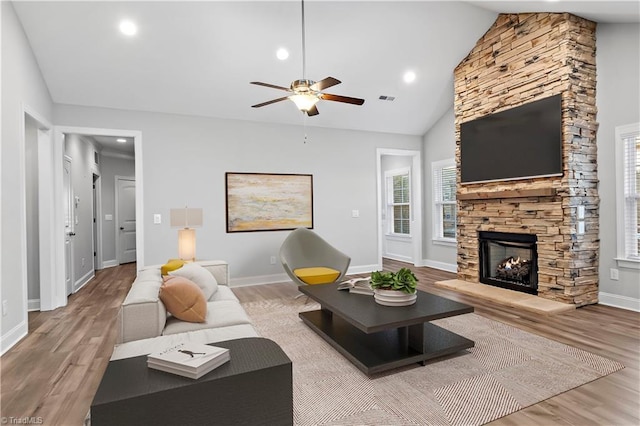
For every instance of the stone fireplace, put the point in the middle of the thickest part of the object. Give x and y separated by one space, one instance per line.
522 58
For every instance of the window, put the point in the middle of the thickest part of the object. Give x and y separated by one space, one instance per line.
628 194
444 201
399 201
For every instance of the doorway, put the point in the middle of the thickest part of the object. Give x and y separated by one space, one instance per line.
67 194
399 206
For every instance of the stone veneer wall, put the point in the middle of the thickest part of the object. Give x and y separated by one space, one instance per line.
521 58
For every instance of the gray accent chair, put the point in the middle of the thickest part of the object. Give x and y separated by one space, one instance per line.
304 248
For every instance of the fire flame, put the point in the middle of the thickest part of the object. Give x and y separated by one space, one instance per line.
512 262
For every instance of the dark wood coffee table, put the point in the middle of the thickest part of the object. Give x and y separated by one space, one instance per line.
378 338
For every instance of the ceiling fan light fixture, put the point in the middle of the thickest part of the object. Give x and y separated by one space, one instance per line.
304 102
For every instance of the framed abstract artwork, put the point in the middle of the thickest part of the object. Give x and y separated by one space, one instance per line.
268 202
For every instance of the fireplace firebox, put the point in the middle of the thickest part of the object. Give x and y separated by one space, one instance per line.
509 260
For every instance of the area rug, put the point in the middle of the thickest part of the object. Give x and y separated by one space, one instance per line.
506 371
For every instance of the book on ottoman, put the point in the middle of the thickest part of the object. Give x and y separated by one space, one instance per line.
192 360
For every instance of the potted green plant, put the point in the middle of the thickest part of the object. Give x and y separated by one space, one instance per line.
394 288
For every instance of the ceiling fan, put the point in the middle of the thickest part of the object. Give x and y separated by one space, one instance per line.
306 93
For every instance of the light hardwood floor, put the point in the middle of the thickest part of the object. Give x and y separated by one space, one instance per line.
54 372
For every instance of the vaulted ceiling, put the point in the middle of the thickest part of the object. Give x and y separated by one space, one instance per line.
197 58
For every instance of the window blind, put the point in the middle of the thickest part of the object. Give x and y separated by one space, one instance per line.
632 196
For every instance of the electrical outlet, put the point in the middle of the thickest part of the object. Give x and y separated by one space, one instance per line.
4 308
355 213
613 273
272 260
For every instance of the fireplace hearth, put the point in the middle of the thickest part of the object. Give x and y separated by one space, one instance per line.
509 260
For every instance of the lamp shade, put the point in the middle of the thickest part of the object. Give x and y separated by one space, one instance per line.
304 102
187 244
186 217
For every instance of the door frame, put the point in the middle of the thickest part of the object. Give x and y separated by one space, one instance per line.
117 214
56 225
416 200
97 226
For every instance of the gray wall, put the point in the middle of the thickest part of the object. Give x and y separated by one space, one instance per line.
31 188
83 166
617 99
22 83
110 167
184 160
438 144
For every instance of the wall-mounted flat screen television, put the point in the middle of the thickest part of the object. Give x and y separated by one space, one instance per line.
518 143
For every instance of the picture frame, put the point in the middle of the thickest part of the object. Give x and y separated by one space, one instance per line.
268 201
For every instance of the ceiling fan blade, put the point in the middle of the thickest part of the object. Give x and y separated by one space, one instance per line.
273 86
338 98
273 101
324 84
313 111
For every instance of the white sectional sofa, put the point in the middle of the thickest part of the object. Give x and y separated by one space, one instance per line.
145 327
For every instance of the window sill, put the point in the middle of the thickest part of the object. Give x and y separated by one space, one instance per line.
444 242
398 237
628 263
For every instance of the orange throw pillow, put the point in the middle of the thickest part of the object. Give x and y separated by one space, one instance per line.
183 299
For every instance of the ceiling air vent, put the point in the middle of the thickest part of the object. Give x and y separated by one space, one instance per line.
386 98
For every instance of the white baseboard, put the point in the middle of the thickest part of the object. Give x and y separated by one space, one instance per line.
398 257
283 278
109 263
33 305
441 265
259 280
83 281
618 301
13 336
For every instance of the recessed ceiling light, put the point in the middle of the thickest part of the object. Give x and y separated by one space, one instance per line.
121 140
409 76
128 28
282 53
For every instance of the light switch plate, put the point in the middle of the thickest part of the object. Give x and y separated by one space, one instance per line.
157 219
108 217
355 213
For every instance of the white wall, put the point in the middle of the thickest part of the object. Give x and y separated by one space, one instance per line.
110 167
184 163
617 99
83 166
22 84
438 144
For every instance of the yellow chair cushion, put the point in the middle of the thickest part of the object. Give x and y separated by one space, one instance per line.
171 265
317 275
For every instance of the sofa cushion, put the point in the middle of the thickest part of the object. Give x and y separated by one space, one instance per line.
183 299
200 276
223 293
157 344
171 265
219 314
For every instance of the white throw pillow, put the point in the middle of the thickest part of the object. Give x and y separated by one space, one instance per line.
199 275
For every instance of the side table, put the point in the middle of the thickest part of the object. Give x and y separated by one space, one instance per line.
253 388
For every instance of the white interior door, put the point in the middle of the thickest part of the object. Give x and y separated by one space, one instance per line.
68 226
126 219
